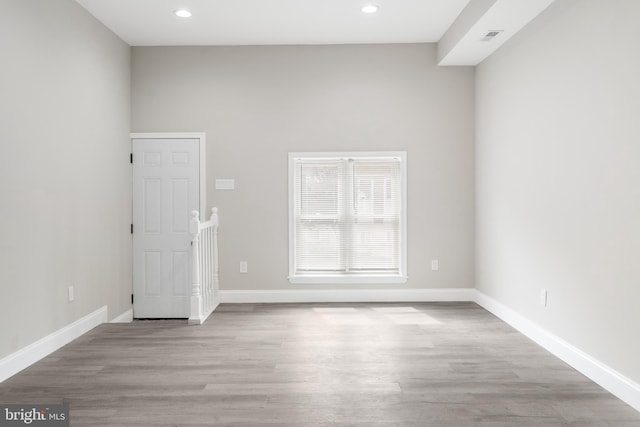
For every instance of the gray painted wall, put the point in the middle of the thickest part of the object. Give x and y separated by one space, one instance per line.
558 176
64 178
258 103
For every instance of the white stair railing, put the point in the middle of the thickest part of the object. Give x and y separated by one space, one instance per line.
204 266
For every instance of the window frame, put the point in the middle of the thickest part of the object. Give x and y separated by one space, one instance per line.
368 278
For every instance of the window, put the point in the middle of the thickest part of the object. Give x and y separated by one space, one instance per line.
347 217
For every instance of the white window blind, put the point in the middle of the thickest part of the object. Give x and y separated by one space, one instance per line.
347 216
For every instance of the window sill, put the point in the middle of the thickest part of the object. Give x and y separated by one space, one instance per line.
342 279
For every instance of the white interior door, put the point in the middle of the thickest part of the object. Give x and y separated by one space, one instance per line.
165 191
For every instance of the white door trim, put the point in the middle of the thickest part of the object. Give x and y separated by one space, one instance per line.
202 143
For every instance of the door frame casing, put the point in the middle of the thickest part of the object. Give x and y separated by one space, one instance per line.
202 143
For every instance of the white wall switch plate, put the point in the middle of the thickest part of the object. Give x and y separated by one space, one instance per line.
70 293
434 265
225 184
244 267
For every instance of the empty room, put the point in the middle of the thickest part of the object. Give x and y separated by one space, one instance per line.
349 212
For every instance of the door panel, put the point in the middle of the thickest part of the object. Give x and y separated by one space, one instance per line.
151 206
179 199
165 191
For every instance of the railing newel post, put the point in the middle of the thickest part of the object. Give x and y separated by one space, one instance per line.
196 294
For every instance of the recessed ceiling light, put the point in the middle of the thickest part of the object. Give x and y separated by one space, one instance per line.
183 13
370 8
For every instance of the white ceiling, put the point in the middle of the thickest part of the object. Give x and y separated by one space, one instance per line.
458 26
265 22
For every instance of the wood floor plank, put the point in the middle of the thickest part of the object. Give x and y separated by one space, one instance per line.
360 364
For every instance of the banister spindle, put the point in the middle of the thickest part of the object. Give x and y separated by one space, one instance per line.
214 216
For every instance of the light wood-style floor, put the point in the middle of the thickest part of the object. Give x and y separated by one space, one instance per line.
423 364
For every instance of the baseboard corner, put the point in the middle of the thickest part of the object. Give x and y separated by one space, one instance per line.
126 317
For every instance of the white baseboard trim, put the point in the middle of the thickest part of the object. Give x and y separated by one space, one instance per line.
609 379
347 295
25 357
126 317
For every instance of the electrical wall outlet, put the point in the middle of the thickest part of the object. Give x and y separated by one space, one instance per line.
434 265
244 267
543 297
70 293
